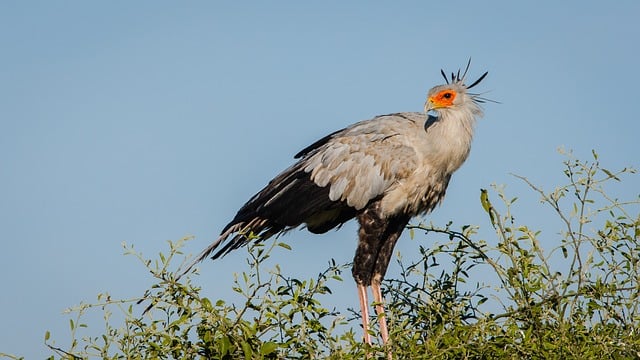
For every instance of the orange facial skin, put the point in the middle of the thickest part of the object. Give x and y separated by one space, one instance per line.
443 98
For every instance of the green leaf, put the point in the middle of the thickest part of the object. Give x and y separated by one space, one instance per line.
179 321
484 200
206 304
268 347
246 349
610 175
486 205
225 345
47 335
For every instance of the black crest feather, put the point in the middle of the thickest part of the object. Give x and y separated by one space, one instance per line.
478 81
456 77
444 76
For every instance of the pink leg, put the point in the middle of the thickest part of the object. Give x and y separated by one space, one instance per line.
364 308
377 297
382 318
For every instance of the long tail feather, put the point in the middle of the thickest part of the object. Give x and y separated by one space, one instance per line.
242 237
209 249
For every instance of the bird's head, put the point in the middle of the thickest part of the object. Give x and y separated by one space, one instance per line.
454 95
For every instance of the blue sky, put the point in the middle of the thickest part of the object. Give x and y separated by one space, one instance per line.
147 121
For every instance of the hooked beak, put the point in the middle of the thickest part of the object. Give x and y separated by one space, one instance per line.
429 105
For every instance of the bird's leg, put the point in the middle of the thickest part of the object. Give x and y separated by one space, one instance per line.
382 318
364 308
377 237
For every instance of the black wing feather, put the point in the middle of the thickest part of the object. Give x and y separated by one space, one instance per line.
316 145
288 201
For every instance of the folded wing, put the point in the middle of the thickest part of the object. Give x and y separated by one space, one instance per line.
334 179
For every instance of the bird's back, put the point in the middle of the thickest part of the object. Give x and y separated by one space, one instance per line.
388 159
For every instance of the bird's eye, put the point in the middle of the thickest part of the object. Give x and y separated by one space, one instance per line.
447 95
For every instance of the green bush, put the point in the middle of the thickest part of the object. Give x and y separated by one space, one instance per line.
577 300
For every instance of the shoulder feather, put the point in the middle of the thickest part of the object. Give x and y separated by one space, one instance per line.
363 161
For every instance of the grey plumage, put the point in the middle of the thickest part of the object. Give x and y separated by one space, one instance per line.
381 171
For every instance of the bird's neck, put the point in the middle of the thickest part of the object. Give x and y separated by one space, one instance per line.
459 123
452 137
